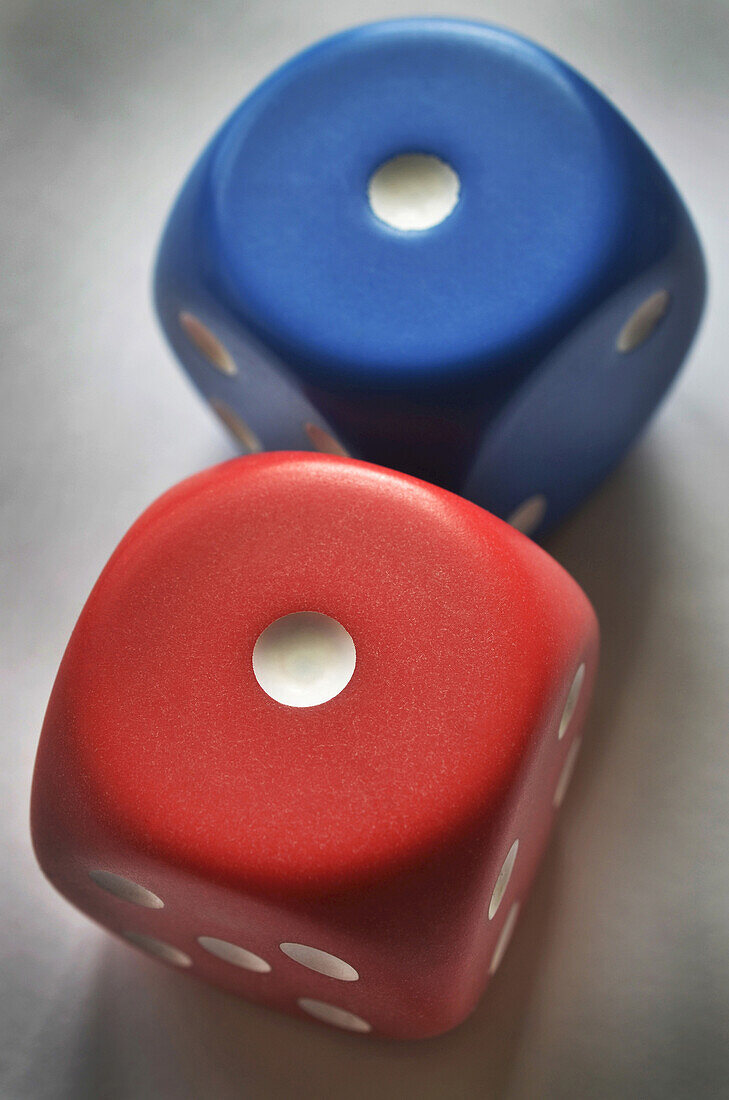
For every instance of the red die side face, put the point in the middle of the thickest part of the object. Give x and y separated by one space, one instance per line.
358 859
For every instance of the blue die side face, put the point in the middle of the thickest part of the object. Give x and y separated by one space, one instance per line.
510 352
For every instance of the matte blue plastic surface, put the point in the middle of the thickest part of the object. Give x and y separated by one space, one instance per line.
480 353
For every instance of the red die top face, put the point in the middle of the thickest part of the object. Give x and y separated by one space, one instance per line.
462 633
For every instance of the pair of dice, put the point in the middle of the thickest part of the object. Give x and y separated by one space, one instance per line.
312 727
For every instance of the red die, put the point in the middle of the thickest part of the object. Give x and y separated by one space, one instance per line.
308 737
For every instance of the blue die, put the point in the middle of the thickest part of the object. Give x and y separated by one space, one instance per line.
430 244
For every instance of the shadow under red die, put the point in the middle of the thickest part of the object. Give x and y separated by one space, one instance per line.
354 859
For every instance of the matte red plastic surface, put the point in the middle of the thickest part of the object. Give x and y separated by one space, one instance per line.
372 826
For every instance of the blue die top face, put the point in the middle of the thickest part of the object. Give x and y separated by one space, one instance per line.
547 169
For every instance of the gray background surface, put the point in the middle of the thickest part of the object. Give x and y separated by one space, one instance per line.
617 983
